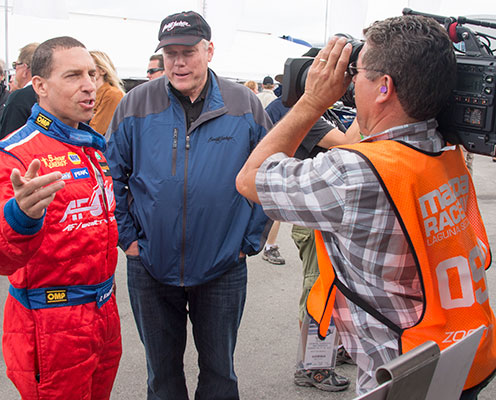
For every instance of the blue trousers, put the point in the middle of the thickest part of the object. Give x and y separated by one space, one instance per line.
215 309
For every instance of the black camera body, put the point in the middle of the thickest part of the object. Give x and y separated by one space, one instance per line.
469 116
296 71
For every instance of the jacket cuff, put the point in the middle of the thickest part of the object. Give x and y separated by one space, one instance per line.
20 222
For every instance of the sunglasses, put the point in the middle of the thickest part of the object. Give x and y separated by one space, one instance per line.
153 70
354 70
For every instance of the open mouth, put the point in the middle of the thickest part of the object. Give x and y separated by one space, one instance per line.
87 104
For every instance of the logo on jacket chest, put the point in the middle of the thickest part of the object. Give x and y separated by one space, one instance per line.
79 212
219 139
54 161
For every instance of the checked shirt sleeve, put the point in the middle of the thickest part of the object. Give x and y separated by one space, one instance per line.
310 193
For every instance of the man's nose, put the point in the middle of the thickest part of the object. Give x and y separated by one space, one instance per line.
88 83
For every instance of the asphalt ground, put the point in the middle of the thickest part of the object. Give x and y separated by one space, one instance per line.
268 337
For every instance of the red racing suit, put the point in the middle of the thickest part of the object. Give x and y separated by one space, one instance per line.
61 326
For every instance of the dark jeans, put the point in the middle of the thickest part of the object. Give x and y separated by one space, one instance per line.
215 309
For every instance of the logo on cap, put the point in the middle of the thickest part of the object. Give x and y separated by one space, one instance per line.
171 25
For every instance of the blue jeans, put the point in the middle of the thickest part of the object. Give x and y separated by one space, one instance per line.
215 309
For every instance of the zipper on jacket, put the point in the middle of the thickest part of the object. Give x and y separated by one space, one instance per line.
174 152
185 193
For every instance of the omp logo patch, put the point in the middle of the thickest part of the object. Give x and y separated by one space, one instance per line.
80 173
73 158
56 296
43 121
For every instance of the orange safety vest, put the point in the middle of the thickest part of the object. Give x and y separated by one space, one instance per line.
434 200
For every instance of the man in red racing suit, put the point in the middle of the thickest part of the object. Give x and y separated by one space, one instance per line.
58 238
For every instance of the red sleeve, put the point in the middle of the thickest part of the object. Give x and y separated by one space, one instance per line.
15 249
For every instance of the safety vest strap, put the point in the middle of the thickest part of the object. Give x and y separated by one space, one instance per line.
62 296
320 302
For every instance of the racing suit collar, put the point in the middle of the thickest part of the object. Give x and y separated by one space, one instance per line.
51 126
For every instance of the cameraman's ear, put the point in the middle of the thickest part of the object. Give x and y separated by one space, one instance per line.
386 88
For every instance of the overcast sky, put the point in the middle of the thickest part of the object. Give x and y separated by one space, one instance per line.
127 29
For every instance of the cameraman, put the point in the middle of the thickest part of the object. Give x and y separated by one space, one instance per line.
395 211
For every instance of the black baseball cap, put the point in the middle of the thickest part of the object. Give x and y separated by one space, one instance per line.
268 81
185 28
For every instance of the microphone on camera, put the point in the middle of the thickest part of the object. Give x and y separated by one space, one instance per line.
453 34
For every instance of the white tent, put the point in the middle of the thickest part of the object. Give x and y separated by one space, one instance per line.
245 32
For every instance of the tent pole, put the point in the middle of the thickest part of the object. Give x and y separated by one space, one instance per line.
6 35
326 22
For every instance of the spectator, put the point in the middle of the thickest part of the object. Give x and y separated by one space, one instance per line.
322 135
18 106
382 205
13 85
4 92
252 85
267 94
109 91
61 332
155 67
174 152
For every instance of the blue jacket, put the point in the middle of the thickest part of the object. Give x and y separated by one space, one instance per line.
175 189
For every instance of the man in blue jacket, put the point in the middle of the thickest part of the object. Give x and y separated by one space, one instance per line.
176 145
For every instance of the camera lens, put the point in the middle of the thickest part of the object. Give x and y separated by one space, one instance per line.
356 46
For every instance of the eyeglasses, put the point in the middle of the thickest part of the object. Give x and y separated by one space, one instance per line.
354 70
15 64
153 70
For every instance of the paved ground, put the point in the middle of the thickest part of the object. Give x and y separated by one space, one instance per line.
268 337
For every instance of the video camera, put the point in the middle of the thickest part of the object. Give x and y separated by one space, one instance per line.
469 117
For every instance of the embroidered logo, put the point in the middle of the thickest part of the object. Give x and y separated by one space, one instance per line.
43 121
220 139
171 25
74 158
51 161
56 296
80 173
66 176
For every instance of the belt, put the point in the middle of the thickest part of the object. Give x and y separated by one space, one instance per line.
62 296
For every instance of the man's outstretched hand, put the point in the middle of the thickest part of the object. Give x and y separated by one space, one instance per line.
33 193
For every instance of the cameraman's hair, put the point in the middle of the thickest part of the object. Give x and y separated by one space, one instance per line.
26 53
418 54
43 56
159 58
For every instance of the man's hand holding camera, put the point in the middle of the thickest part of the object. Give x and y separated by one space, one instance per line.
34 193
327 80
326 83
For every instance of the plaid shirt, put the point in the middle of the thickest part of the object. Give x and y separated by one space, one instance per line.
338 194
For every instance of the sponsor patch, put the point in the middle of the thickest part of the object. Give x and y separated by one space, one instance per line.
66 176
80 173
98 156
51 161
56 296
43 121
105 168
74 158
